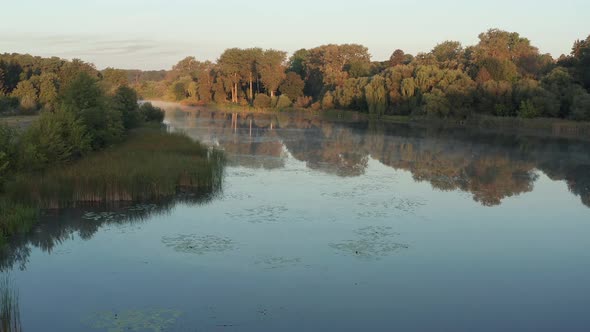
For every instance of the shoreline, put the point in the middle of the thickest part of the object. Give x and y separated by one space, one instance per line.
540 127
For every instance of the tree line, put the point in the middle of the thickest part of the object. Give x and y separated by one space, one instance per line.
502 75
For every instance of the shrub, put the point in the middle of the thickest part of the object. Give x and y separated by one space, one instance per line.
528 110
328 101
8 150
125 102
303 102
581 107
54 138
262 101
150 113
316 106
283 102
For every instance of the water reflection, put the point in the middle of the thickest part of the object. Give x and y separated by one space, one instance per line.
489 167
58 226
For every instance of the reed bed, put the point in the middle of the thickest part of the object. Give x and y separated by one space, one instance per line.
15 218
9 307
150 165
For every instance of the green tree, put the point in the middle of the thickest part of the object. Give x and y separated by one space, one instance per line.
297 62
527 109
292 86
397 58
113 78
150 113
333 62
85 100
449 54
124 101
581 107
376 96
230 65
48 88
272 70
27 95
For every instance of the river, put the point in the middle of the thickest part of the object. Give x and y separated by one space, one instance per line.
329 225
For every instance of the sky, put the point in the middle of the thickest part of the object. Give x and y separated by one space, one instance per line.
155 34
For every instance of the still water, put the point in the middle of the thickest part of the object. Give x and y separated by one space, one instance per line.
329 225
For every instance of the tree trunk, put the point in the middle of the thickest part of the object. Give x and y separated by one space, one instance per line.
272 93
251 89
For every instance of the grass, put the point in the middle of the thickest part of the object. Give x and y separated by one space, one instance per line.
9 307
150 165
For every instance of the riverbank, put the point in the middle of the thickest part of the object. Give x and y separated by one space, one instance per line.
149 166
542 127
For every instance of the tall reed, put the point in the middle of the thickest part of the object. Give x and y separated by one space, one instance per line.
9 307
150 165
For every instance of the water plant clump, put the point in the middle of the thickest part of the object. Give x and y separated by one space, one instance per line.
373 242
155 320
200 245
150 165
9 307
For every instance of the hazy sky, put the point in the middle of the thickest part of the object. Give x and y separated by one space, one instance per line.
155 34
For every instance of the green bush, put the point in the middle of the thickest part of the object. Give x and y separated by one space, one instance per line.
528 110
8 151
150 113
581 107
85 100
283 102
54 138
262 101
125 102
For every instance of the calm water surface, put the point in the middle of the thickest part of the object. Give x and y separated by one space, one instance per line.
329 225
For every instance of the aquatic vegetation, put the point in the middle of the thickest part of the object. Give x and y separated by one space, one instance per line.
260 214
15 218
9 307
279 262
124 213
155 320
200 245
150 165
373 242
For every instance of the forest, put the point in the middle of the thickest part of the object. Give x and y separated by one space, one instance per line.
502 75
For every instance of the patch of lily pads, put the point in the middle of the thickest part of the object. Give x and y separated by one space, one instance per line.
150 320
110 216
372 242
279 262
198 244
